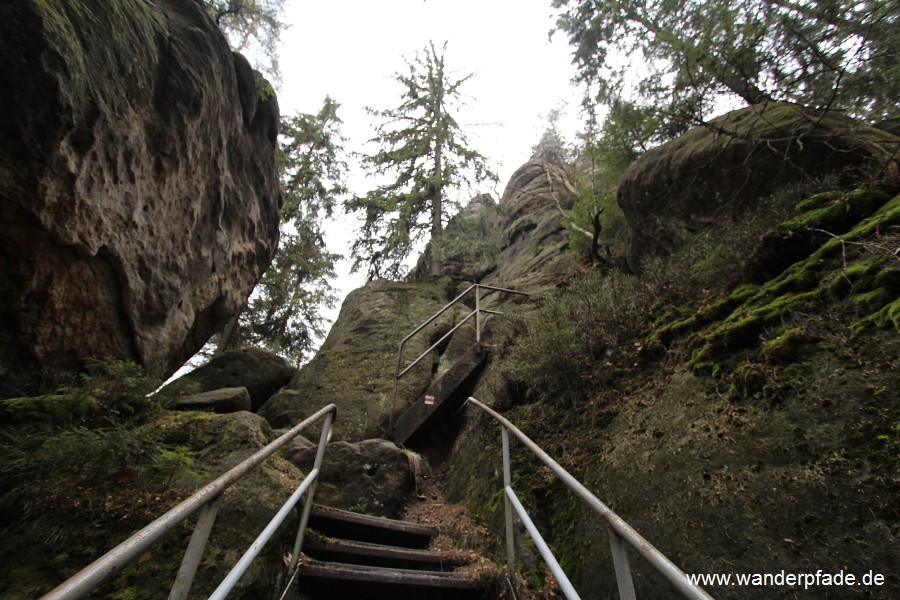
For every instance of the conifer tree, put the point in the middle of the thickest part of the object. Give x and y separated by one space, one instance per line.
694 54
423 148
283 314
254 25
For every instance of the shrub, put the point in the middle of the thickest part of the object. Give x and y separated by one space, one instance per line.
72 450
581 335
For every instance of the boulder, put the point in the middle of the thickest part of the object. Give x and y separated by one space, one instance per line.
139 193
713 173
371 476
225 400
355 366
261 372
286 408
220 442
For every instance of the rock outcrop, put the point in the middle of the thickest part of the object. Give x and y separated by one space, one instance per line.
714 173
521 245
220 442
222 400
532 204
356 364
138 187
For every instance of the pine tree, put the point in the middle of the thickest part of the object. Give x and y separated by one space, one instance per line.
284 312
423 147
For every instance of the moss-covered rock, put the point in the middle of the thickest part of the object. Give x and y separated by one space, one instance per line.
372 476
261 372
142 473
770 400
715 173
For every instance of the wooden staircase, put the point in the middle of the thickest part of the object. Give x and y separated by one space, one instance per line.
359 556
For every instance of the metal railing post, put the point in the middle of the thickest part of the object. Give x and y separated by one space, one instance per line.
477 314
400 372
194 552
394 393
243 564
304 519
127 552
507 483
623 569
565 586
622 532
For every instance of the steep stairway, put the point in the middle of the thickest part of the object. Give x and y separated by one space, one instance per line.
443 398
349 555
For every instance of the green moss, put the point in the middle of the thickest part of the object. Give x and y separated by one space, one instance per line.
802 286
835 214
819 201
870 301
857 276
669 332
51 409
888 315
785 347
108 47
263 86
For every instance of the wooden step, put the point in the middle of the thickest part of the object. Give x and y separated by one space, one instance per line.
379 555
444 396
347 525
337 580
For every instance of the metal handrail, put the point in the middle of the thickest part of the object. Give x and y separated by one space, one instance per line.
475 313
620 532
206 500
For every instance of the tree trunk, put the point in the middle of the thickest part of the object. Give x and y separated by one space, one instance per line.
437 227
229 330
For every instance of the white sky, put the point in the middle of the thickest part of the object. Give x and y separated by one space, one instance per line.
350 49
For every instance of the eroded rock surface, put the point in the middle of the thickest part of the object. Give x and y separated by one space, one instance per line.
223 400
138 189
355 366
220 442
532 205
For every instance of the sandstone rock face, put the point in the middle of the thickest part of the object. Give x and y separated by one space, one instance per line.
469 248
138 188
371 476
714 173
355 366
535 239
261 372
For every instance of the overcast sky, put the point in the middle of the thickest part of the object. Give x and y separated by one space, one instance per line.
350 49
